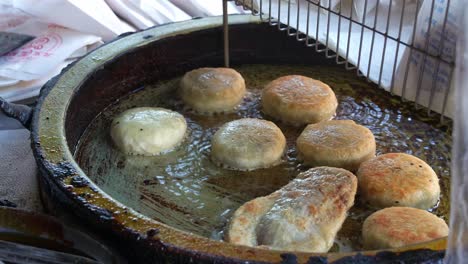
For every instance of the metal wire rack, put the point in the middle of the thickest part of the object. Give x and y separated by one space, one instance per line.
405 46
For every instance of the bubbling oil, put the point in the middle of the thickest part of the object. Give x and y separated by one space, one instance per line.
186 190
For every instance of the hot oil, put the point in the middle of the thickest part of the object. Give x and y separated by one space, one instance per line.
184 189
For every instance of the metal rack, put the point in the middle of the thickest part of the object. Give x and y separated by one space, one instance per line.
389 42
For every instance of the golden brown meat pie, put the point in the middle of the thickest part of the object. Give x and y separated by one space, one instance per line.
398 179
212 90
299 100
400 226
248 144
336 143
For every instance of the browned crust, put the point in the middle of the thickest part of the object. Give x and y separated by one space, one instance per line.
399 226
398 179
298 100
336 143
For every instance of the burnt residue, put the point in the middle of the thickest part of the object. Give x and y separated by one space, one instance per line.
317 260
104 214
160 201
79 182
152 232
288 258
62 169
93 188
85 195
120 164
413 256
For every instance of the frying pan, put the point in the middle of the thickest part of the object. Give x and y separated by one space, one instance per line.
69 102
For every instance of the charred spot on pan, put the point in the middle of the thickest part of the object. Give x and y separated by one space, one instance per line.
317 260
288 258
94 189
412 256
85 195
136 236
120 164
62 169
152 232
79 182
103 213
397 202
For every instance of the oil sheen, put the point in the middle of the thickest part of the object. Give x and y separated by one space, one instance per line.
186 190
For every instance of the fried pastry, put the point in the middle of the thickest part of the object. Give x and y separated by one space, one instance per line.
212 90
336 143
299 100
304 215
400 226
248 144
398 179
148 131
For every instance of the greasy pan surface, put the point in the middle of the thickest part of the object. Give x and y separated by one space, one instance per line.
186 190
69 103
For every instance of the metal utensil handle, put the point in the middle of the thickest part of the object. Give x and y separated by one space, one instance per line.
226 34
22 113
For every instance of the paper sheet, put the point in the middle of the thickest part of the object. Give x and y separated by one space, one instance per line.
202 8
457 250
21 90
377 57
92 17
438 38
146 13
45 52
